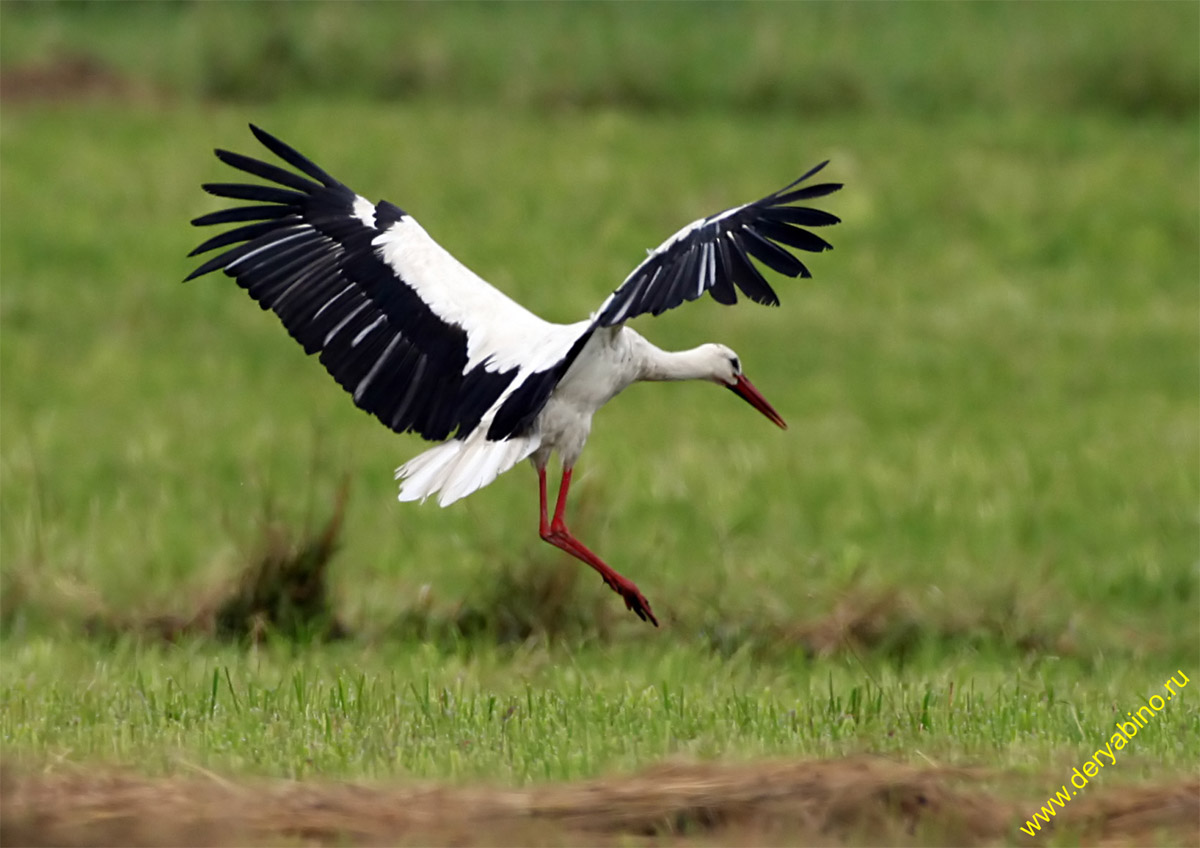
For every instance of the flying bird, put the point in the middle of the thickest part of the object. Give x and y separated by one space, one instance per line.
426 346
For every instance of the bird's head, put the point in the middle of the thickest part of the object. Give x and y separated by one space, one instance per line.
727 371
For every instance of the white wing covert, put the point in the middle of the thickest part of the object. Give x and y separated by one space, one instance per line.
416 338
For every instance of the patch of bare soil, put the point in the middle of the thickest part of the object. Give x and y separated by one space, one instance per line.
66 78
836 802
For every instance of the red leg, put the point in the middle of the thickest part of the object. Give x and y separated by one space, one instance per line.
557 534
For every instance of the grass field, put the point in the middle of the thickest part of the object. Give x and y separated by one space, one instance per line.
909 617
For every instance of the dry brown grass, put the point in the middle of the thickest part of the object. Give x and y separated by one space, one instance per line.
837 802
897 623
282 591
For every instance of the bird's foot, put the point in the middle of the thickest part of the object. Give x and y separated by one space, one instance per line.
558 535
634 599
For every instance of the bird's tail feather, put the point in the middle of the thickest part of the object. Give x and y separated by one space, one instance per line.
457 468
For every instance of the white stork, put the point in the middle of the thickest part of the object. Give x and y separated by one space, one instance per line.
426 346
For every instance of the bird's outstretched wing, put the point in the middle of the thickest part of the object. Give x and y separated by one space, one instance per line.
713 255
417 339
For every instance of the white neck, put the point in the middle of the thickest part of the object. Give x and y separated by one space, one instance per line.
663 365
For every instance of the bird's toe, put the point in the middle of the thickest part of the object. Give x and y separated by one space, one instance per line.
637 602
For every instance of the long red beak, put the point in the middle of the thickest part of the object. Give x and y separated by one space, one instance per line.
746 391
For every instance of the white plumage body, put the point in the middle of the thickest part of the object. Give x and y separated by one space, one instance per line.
612 360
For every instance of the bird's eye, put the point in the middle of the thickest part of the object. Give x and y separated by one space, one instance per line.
737 366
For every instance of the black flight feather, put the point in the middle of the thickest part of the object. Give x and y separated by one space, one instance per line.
308 257
681 269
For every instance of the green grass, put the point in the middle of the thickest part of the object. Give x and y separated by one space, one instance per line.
524 715
991 387
973 409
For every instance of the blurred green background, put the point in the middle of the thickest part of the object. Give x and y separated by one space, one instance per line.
820 59
992 468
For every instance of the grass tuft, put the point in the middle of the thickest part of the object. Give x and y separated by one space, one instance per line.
535 600
282 593
285 592
533 597
897 624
